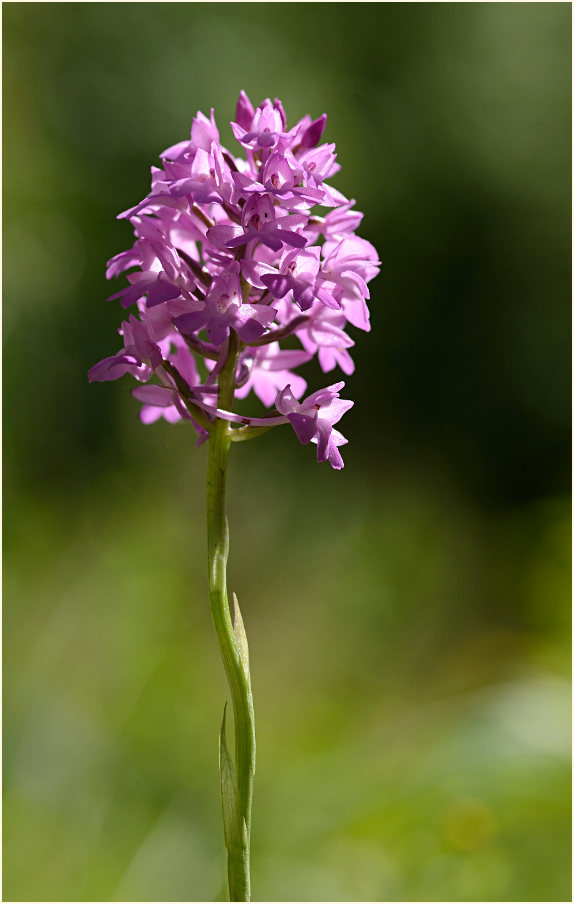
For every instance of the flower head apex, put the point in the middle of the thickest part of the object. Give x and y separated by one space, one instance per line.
266 127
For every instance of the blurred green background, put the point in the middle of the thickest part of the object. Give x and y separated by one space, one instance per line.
408 617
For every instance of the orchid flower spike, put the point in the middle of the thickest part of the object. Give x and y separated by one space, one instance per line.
232 246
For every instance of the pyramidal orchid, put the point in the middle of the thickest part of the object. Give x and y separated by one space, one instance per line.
245 266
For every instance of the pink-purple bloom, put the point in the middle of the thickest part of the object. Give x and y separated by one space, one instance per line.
237 244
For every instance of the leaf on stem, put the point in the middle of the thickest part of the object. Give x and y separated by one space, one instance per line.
234 827
241 637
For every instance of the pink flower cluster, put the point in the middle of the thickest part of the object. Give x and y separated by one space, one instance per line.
228 244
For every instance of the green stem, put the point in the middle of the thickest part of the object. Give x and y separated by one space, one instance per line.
235 664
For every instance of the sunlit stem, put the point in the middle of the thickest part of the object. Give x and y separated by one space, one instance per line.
237 674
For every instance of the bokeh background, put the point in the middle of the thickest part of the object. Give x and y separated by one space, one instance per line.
408 617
